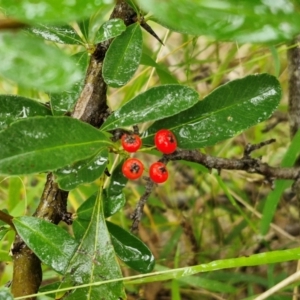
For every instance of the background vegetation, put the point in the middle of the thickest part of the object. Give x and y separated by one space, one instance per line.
199 216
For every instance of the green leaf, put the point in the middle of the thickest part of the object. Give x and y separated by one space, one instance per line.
47 143
164 75
14 107
64 34
4 256
133 5
84 26
117 181
3 231
123 56
50 10
227 111
130 249
64 102
115 198
89 27
111 205
155 104
238 21
34 64
84 214
52 287
147 60
84 171
274 196
94 260
5 294
109 30
52 244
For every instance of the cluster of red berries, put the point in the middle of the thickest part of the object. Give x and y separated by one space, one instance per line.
133 168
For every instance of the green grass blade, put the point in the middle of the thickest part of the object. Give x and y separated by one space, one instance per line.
280 185
253 260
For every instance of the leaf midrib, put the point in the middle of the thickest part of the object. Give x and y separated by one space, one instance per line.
122 56
45 150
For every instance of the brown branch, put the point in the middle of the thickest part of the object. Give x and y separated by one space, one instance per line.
246 163
294 86
10 24
91 106
294 103
277 118
27 272
138 212
252 147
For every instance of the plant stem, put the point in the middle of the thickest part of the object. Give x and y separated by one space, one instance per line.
7 219
92 108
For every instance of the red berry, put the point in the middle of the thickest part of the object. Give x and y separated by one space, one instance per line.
132 168
131 142
165 141
158 172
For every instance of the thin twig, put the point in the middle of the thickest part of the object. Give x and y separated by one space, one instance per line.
246 163
6 218
277 118
138 212
279 286
252 147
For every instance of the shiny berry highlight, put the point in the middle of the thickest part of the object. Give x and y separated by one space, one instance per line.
132 168
165 141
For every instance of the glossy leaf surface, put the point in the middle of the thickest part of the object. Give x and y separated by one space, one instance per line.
84 213
50 10
115 198
130 249
155 104
59 34
109 30
34 64
242 21
52 244
65 101
90 26
123 56
47 143
95 260
13 107
84 171
227 111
